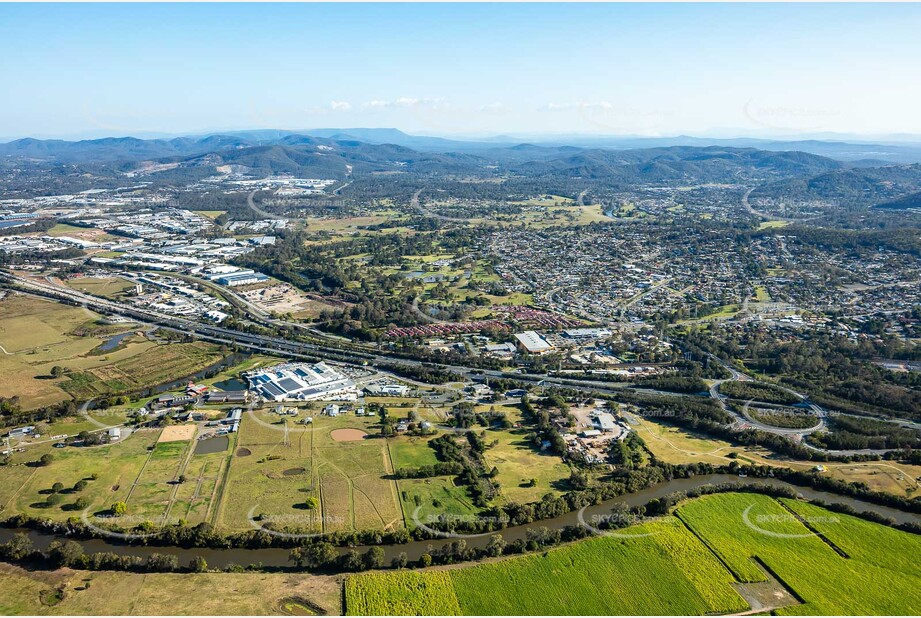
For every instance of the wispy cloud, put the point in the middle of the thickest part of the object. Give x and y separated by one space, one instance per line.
405 102
495 106
586 105
340 106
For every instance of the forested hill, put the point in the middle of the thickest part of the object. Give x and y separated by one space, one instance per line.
342 156
888 186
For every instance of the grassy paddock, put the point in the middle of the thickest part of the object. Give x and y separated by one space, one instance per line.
113 593
37 335
350 480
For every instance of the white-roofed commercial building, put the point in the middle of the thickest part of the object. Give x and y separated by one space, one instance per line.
302 382
532 342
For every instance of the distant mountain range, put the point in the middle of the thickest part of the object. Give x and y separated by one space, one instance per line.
785 169
134 149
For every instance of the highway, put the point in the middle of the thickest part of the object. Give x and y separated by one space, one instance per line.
351 354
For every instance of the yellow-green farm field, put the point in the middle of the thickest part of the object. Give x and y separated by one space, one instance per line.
879 576
663 570
707 557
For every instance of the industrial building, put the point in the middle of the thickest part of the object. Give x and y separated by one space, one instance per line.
302 382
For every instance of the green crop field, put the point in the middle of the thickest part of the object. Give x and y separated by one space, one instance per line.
877 578
405 593
862 540
618 576
684 565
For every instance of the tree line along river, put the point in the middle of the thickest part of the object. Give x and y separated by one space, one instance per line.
278 557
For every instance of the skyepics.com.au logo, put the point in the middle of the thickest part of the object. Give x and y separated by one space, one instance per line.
763 522
621 525
788 117
122 527
426 522
276 525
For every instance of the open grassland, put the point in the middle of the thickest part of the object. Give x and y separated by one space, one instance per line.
431 496
117 466
152 492
677 446
667 571
876 578
112 287
139 470
424 500
673 445
194 500
518 461
411 452
211 214
349 479
211 594
764 225
33 325
156 364
84 233
37 335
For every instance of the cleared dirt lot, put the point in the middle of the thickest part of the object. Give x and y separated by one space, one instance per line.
177 433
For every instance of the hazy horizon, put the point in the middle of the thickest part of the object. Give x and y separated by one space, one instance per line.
711 70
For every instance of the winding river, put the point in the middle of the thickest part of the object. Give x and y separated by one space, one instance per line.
274 557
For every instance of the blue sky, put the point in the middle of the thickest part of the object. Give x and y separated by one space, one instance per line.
463 69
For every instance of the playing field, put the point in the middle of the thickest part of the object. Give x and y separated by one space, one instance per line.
684 565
